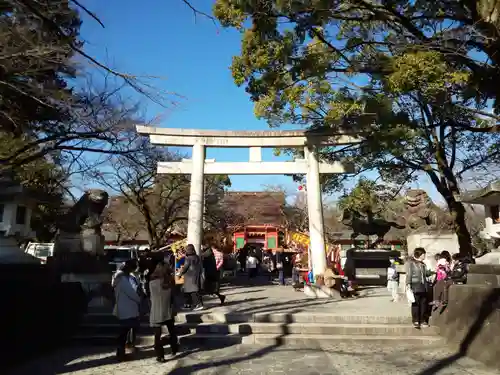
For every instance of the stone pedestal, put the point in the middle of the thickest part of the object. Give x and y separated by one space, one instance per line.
320 291
79 263
97 287
92 272
92 243
433 243
67 243
87 241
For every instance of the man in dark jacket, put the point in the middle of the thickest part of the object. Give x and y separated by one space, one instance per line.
211 284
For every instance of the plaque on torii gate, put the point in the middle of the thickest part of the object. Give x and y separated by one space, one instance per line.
198 166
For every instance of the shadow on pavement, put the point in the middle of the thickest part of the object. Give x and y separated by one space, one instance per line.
487 308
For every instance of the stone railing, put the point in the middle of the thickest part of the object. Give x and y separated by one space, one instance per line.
471 321
484 274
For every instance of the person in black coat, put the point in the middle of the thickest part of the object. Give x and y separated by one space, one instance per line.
242 258
280 266
211 283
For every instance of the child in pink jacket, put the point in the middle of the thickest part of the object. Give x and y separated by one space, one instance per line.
442 280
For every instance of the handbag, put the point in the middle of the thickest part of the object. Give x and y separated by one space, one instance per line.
279 266
410 296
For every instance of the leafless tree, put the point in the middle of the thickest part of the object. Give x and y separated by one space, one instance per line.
294 208
41 115
102 122
162 202
226 219
51 21
123 220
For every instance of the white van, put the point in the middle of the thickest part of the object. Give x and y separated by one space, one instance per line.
40 250
119 254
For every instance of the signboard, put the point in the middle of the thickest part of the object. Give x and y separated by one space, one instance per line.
175 246
302 241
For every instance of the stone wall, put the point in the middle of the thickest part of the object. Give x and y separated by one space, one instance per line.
38 312
471 322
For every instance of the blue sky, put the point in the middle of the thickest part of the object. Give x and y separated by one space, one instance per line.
163 38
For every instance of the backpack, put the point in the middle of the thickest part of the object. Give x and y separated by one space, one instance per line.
394 275
459 273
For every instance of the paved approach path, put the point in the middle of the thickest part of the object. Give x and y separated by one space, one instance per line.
339 359
262 299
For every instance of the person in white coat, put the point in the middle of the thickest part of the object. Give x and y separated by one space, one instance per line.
127 306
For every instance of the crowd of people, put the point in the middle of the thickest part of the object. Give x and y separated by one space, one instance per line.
153 285
427 289
150 286
276 264
279 264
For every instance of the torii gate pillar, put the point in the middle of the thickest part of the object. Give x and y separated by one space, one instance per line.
315 212
197 198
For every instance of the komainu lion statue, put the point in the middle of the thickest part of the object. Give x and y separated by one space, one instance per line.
79 229
86 213
421 212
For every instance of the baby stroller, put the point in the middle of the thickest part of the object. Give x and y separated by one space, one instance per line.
344 287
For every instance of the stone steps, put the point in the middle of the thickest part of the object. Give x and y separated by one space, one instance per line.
311 329
299 340
278 317
276 328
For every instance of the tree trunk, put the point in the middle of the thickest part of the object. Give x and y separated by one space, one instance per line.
150 228
448 187
457 211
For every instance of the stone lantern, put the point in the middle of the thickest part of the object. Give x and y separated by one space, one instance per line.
489 198
16 205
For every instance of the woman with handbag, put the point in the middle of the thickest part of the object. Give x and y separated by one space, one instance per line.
192 272
162 313
133 265
417 288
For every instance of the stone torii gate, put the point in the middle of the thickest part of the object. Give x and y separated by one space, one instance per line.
198 166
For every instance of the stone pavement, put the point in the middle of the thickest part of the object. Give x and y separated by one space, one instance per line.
331 359
280 299
341 359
